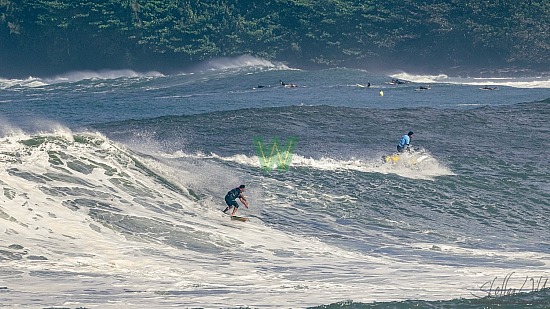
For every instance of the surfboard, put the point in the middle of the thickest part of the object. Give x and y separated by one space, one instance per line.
243 219
413 158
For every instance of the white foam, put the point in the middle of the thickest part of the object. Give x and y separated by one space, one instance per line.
241 62
30 82
76 76
426 79
516 82
420 165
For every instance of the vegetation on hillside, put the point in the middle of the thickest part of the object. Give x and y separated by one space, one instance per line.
57 35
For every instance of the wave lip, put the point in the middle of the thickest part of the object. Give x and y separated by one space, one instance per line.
241 62
30 82
77 76
515 82
73 77
417 165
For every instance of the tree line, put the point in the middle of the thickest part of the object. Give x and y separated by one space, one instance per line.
59 35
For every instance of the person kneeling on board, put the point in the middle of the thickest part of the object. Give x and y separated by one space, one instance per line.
404 142
231 197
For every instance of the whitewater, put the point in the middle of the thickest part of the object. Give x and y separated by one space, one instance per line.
113 185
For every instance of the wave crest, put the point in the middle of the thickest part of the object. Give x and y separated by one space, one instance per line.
241 62
417 165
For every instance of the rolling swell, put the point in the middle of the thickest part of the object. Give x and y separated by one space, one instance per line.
136 215
485 186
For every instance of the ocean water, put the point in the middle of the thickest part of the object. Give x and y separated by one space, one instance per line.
113 184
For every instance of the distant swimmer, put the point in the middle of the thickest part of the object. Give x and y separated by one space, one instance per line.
395 81
404 142
424 88
488 88
287 85
232 196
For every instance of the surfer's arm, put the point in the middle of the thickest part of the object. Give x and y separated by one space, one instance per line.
244 201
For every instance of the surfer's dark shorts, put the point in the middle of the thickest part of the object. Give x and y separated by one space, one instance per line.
231 202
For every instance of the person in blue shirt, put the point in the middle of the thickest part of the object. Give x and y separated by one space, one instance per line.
230 199
404 142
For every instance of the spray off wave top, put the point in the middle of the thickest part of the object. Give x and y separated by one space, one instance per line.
409 166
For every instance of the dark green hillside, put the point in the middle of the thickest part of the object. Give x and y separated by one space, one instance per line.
50 36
